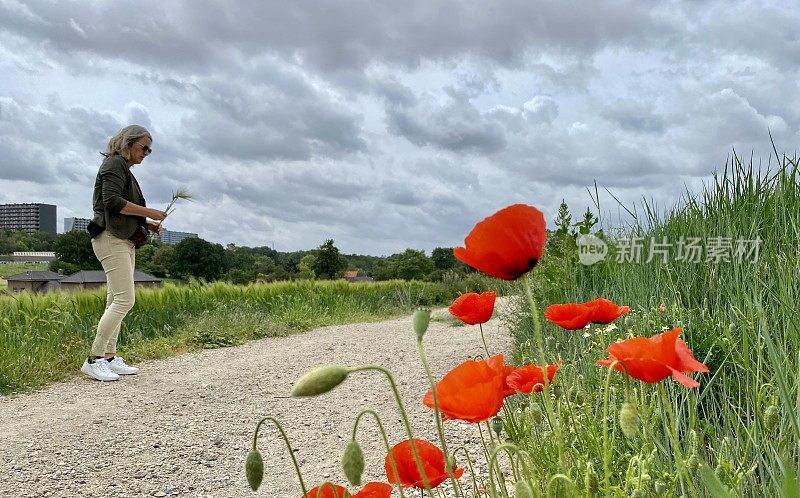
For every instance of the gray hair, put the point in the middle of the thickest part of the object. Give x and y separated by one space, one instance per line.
120 144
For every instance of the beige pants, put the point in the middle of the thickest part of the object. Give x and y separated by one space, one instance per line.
118 258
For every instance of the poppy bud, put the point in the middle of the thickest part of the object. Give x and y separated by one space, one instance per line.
662 309
639 493
590 480
353 462
319 381
771 417
254 469
421 319
629 419
536 414
523 490
451 463
497 425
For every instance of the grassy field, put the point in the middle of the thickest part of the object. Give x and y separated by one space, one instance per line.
739 432
44 338
8 269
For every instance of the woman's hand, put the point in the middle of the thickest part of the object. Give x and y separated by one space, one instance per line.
154 227
155 214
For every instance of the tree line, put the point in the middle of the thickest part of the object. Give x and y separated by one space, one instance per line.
198 258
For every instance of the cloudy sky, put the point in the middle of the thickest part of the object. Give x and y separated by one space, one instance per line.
384 124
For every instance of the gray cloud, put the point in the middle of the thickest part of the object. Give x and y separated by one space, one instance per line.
388 125
455 126
633 116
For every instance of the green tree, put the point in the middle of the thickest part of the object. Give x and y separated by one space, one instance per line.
563 219
443 258
383 270
328 262
75 248
144 258
412 265
305 267
199 258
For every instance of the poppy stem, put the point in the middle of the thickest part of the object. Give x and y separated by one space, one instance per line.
555 424
510 449
437 414
385 442
673 434
484 341
471 470
288 445
404 416
606 443
560 477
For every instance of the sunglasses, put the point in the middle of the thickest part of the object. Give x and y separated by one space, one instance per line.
147 150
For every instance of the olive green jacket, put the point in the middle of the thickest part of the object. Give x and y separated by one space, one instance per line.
114 187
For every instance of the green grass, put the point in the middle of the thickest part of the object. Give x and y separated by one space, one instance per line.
7 269
44 338
740 318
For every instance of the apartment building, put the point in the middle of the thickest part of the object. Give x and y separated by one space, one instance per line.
75 224
32 217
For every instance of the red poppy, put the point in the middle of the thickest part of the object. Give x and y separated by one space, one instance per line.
575 316
473 308
604 311
328 490
432 459
570 316
472 391
655 358
508 390
530 378
507 244
374 490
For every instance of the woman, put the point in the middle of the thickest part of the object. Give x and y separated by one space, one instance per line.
119 209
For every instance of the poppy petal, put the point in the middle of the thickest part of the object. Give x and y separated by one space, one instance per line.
374 490
472 391
473 308
655 358
569 316
507 244
684 379
604 311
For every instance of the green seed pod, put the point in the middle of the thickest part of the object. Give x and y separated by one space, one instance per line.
590 480
353 462
421 319
577 396
319 381
497 425
523 490
771 418
629 419
254 469
659 487
556 390
451 463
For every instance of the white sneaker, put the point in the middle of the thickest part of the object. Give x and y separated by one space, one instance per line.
118 366
99 370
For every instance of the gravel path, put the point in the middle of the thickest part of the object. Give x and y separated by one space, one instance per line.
184 425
